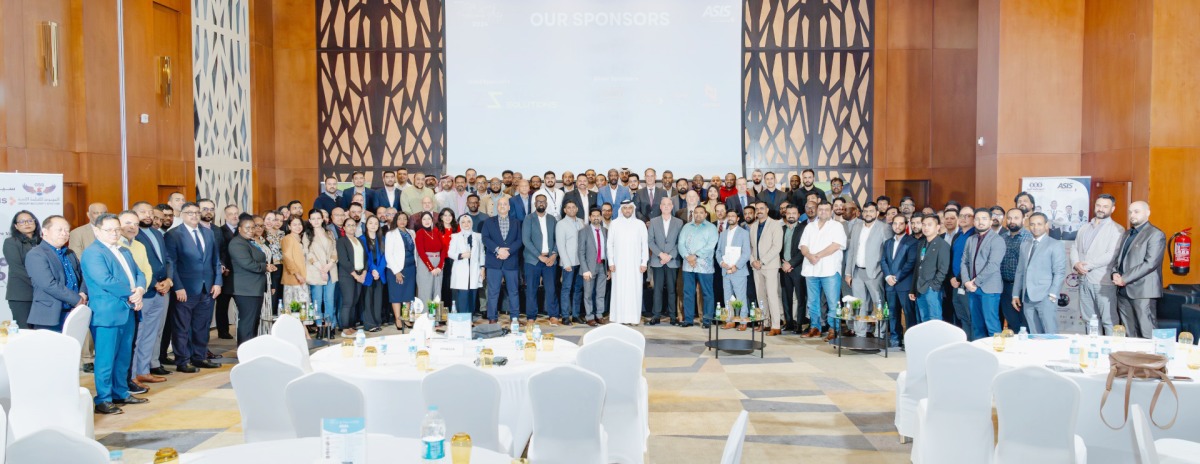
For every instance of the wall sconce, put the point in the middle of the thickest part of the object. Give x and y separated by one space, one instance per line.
50 51
168 80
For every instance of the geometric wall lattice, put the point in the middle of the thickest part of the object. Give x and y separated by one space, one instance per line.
221 96
380 87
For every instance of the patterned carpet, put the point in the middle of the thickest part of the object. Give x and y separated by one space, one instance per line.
805 403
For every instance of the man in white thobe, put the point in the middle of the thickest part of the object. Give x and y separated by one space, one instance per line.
628 253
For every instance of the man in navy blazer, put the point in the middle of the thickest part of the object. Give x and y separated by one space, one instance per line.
520 204
502 243
55 293
359 179
541 253
154 310
613 193
117 285
389 194
197 281
899 256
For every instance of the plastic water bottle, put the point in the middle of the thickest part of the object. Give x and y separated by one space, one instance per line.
116 457
360 339
1094 327
433 436
1106 349
514 328
1074 352
454 307
1093 355
383 345
279 308
1023 335
537 334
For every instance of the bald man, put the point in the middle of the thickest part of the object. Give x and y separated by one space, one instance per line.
1137 271
83 236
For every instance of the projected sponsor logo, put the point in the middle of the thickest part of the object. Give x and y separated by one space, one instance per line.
496 101
718 13
479 15
601 19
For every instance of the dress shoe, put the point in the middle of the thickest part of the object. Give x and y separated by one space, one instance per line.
186 369
870 335
210 355
348 333
707 325
206 364
136 383
159 371
107 408
224 336
729 325
131 400
654 322
758 329
88 367
554 322
742 327
831 335
374 329
774 332
592 323
136 389
492 321
147 378
686 325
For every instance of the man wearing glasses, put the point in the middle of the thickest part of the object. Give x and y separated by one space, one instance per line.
197 281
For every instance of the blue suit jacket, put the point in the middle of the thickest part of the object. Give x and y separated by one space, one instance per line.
323 202
108 286
493 240
161 268
374 260
382 200
531 237
192 271
368 198
902 265
604 195
517 209
50 291
741 238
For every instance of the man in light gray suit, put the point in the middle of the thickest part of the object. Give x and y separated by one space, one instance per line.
980 270
1137 271
766 241
1041 269
733 266
646 199
664 260
862 268
1091 258
593 266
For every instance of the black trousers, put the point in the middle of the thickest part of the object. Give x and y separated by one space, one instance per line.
793 284
372 305
664 280
192 318
351 301
249 308
168 330
222 309
1015 319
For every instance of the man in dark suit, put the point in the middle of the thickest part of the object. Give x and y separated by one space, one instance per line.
197 279
740 200
520 204
359 179
541 253
772 196
249 268
933 262
226 233
328 199
502 243
593 266
58 285
899 257
584 198
389 194
154 303
792 261
646 200
1137 271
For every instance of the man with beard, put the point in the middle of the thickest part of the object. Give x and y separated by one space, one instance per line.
359 179
697 243
502 242
791 264
682 187
958 295
410 197
1137 271
1014 236
508 179
613 194
541 253
388 195
568 181
566 236
728 189
907 208
554 196
295 209
884 203
458 196
477 216
226 234
593 264
807 177
1091 254
1025 202
329 197
998 218
980 269
899 259
628 254
1041 268
490 199
756 182
355 212
165 216
822 244
836 191
583 197
445 194
591 177
863 256
772 196
154 304
793 185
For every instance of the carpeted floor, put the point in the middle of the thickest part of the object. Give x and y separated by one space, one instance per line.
806 404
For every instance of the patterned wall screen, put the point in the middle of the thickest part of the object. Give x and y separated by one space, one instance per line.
808 88
221 80
381 90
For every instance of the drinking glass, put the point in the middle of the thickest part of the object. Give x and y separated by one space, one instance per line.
998 342
486 358
548 342
422 361
1185 338
1118 331
1193 358
347 348
166 456
530 351
371 356
460 448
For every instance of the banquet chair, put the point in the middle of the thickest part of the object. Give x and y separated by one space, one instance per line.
566 430
43 373
469 400
1037 411
737 437
955 420
3 432
1164 451
289 329
56 444
77 323
257 384
619 331
911 384
319 396
619 364
274 347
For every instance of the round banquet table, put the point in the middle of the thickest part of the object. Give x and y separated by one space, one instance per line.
1106 445
380 449
393 388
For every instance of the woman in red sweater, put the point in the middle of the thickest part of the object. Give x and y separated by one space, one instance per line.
431 251
447 226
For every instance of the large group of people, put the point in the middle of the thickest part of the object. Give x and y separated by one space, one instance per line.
592 248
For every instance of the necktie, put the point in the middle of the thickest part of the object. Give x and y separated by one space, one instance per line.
1032 248
599 245
199 243
721 228
1133 231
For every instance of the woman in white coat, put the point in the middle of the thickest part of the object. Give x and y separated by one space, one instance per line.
466 276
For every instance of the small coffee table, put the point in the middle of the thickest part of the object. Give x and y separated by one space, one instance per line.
878 343
757 341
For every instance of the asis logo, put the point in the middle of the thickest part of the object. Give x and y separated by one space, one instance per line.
40 189
718 11
1073 280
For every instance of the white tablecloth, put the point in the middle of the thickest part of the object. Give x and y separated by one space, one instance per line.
1106 445
380 449
393 388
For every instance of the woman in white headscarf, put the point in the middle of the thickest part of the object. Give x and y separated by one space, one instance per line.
466 275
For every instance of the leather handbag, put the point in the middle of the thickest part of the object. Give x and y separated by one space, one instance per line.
1135 365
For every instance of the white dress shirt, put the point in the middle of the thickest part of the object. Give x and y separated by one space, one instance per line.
817 237
116 250
545 238
860 258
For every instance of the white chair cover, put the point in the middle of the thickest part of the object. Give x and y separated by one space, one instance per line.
77 323
55 444
289 329
1037 410
468 398
1162 451
956 419
565 429
3 432
319 396
632 336
271 346
257 385
43 372
619 363
737 437
911 386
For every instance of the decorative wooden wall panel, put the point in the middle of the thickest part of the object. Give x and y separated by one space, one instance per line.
221 71
808 85
380 87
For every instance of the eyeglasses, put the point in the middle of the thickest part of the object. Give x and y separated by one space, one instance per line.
110 230
26 222
207 210
190 213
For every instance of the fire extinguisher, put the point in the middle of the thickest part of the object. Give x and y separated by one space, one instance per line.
1180 247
